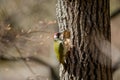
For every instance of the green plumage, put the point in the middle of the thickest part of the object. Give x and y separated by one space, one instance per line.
59 50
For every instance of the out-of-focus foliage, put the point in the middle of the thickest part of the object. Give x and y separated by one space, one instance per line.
26 30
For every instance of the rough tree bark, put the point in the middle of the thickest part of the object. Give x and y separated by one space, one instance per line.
89 24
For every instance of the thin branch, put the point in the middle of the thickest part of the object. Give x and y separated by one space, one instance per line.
24 60
37 31
34 59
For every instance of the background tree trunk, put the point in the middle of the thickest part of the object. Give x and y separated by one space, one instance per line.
89 24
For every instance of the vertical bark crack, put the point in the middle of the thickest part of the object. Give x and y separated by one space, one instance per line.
89 24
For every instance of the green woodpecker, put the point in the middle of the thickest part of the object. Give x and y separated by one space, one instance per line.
58 47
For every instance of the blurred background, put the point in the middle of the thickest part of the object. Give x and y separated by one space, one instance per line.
26 39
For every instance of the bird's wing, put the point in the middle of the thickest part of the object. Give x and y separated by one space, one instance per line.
61 51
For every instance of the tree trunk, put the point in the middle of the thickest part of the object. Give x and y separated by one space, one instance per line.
89 24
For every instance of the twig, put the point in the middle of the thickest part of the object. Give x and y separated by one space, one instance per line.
37 31
24 60
34 59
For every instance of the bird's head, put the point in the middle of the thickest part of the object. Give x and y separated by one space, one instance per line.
57 36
